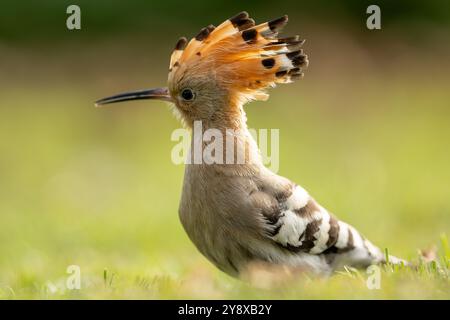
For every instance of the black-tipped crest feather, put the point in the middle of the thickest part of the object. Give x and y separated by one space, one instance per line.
181 43
252 54
278 24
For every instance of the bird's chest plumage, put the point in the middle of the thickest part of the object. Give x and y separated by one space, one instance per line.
214 214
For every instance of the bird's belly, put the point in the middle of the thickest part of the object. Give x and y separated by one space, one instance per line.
233 254
218 246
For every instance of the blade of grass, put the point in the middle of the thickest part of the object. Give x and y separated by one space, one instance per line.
445 246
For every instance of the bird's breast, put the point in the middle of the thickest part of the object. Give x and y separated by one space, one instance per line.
213 213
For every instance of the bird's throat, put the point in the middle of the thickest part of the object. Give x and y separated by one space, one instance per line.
222 146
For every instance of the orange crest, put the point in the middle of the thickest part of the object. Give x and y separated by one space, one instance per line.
244 57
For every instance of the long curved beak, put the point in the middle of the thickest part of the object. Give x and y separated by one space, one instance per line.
156 93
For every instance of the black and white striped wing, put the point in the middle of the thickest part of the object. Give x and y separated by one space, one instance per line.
302 225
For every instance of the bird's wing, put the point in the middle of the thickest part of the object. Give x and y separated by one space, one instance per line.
297 223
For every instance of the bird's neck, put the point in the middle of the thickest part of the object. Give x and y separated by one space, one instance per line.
226 142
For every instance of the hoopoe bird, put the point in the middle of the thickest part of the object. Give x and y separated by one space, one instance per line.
237 214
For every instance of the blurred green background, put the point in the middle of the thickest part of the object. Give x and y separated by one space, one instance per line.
366 132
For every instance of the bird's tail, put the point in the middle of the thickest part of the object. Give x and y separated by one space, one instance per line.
360 252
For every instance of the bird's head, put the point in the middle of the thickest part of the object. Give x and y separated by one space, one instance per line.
214 74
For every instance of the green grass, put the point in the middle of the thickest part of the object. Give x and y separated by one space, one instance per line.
96 187
424 281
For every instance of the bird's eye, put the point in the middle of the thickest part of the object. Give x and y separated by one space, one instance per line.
187 94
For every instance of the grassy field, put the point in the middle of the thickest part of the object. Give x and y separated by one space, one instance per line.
96 187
